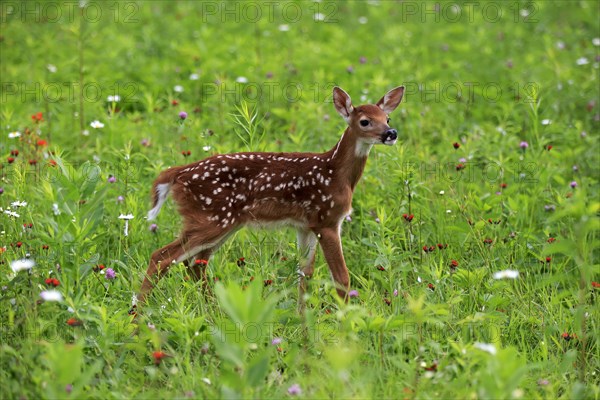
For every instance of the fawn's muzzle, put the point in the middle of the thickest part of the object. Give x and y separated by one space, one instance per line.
389 137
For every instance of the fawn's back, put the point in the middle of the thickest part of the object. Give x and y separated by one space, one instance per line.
261 188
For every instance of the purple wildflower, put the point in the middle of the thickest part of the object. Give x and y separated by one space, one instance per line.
524 145
362 60
353 293
573 184
295 390
183 115
110 274
153 228
120 199
1 190
68 388
395 292
276 341
111 179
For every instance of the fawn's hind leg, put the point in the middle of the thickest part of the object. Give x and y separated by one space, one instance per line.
190 244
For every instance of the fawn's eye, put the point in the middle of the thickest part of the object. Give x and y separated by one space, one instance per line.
388 120
364 122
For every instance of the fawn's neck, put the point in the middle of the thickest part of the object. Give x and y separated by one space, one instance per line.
348 158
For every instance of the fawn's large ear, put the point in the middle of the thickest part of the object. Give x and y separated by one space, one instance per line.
390 101
342 103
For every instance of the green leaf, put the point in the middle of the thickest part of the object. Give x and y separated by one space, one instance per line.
257 371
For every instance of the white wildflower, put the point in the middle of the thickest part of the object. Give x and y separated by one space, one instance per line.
363 20
319 17
206 148
11 213
487 347
51 68
14 135
114 98
18 204
23 264
178 89
582 61
546 121
284 27
126 218
241 79
506 274
51 295
194 77
596 41
97 124
55 209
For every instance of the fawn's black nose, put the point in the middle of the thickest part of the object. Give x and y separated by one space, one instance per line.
391 134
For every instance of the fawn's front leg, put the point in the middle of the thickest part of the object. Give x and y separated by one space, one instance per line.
330 241
307 247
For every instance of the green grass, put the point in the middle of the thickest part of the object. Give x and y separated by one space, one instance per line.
484 81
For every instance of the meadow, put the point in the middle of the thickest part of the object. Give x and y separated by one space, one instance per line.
473 245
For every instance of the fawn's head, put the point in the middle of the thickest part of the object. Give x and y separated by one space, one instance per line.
370 121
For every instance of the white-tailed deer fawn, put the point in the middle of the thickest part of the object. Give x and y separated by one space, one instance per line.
309 191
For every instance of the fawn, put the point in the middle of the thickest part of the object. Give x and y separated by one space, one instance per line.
309 191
